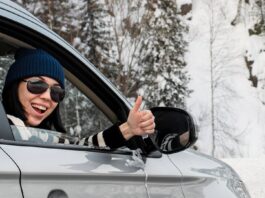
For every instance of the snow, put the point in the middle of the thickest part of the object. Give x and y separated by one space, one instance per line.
212 48
252 173
77 41
244 148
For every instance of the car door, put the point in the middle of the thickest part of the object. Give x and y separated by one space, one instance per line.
76 173
9 172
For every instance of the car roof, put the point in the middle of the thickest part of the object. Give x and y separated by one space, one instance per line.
15 8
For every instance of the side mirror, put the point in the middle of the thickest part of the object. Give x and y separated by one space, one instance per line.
175 129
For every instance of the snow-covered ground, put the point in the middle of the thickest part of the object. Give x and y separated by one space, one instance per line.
252 172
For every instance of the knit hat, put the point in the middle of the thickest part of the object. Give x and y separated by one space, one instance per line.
34 62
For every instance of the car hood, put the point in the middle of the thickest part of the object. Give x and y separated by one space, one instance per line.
197 167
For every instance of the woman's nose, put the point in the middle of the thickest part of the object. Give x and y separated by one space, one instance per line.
46 95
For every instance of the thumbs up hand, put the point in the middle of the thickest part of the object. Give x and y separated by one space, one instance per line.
138 122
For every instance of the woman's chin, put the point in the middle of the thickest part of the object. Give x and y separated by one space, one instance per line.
33 122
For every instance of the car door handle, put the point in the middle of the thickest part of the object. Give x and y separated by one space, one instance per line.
56 193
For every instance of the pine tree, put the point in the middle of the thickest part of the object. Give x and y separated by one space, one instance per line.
46 10
163 56
6 61
115 42
259 27
99 38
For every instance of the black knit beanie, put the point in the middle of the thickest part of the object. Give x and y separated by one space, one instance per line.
34 62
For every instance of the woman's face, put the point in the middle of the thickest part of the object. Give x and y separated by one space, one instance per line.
37 107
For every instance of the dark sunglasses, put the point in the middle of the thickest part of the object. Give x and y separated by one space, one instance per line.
39 87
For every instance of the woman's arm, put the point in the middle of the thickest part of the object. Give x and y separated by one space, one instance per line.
138 123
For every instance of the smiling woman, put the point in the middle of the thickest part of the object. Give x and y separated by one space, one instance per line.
29 64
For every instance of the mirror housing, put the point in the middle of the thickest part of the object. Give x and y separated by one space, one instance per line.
174 131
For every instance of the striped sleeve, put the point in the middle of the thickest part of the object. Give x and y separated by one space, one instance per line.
111 137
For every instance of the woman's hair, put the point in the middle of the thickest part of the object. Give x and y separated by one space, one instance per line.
13 107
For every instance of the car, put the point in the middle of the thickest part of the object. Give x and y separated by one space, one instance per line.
161 165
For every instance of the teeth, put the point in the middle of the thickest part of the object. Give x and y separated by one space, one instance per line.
40 107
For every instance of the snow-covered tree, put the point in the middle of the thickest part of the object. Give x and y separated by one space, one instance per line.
100 39
258 11
252 13
116 34
162 56
65 17
6 61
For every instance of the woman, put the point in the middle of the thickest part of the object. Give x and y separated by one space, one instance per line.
34 87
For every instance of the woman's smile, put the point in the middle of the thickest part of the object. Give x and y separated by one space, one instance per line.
39 108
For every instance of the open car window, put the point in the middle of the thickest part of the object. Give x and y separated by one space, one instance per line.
80 115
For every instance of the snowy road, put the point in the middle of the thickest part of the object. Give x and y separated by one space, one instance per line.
252 172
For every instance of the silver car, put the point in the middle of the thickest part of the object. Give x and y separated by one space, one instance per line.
161 165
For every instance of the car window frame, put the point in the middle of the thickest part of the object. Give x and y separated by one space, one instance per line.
6 132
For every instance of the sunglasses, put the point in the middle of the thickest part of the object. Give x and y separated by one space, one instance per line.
39 87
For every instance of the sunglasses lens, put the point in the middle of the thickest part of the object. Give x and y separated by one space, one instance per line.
57 93
37 87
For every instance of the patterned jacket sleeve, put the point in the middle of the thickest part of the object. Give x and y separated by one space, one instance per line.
110 137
